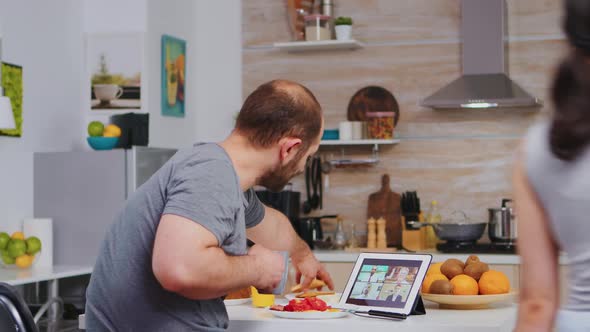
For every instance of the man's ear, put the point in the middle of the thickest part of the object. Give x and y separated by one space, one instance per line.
289 146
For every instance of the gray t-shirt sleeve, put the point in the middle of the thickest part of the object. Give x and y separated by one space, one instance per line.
203 194
255 210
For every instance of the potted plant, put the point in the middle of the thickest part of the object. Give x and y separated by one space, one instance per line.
343 26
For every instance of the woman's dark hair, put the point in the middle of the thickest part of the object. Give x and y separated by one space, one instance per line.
279 109
570 129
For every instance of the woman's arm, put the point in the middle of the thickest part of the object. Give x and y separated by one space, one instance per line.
539 287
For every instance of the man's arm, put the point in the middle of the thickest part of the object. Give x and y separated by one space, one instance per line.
275 232
539 259
187 260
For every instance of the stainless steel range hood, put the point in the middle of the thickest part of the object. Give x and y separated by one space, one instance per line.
484 83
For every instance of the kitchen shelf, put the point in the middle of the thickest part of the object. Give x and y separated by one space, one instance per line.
321 45
346 162
340 163
359 142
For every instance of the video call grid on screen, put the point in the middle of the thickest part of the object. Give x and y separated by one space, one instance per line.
384 283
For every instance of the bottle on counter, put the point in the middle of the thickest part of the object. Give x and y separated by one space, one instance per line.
433 217
340 235
381 234
371 234
353 242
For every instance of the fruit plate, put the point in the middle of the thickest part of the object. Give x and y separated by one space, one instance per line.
309 314
468 301
236 301
332 299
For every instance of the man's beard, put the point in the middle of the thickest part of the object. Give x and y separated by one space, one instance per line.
276 179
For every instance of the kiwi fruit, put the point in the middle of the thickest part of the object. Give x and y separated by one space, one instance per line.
441 287
475 270
452 267
455 261
471 259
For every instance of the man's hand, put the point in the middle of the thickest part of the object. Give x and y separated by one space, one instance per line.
310 268
270 266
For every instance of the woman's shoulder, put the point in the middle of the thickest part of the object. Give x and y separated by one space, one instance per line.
538 133
536 142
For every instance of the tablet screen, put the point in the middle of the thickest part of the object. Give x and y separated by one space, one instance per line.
384 282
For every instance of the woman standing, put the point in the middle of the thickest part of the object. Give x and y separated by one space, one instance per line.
552 193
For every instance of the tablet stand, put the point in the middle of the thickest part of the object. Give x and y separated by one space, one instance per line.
417 309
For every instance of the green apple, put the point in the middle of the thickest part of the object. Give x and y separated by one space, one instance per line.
95 128
4 238
16 247
33 245
6 257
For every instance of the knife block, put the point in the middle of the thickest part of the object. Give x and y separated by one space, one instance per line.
413 239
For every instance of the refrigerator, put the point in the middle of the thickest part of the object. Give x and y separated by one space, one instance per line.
83 191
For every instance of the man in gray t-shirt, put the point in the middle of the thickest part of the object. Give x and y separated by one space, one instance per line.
179 245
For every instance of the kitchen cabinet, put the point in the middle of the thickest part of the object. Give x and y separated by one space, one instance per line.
340 263
340 273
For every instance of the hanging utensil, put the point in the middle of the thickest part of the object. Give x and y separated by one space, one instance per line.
307 207
315 198
320 182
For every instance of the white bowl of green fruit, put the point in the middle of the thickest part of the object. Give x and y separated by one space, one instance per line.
18 251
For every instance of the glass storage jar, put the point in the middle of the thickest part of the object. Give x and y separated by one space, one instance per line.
380 124
317 27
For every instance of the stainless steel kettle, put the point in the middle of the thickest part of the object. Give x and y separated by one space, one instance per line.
502 222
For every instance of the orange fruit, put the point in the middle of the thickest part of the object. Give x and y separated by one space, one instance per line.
493 282
112 131
464 285
430 279
24 261
434 269
18 235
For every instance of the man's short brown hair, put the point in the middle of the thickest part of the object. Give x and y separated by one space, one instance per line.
280 109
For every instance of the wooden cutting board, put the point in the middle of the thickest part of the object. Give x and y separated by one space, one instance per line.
385 203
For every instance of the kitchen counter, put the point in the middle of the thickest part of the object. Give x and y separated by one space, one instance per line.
245 318
342 256
14 276
496 319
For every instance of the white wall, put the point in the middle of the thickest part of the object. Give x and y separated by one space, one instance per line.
45 37
175 18
213 32
219 67
111 17
104 16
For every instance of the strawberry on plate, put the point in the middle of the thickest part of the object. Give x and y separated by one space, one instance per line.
277 307
307 304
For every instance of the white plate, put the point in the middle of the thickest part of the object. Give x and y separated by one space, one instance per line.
236 301
329 299
309 314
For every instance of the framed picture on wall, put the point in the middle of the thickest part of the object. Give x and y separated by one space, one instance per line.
114 65
12 81
173 76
